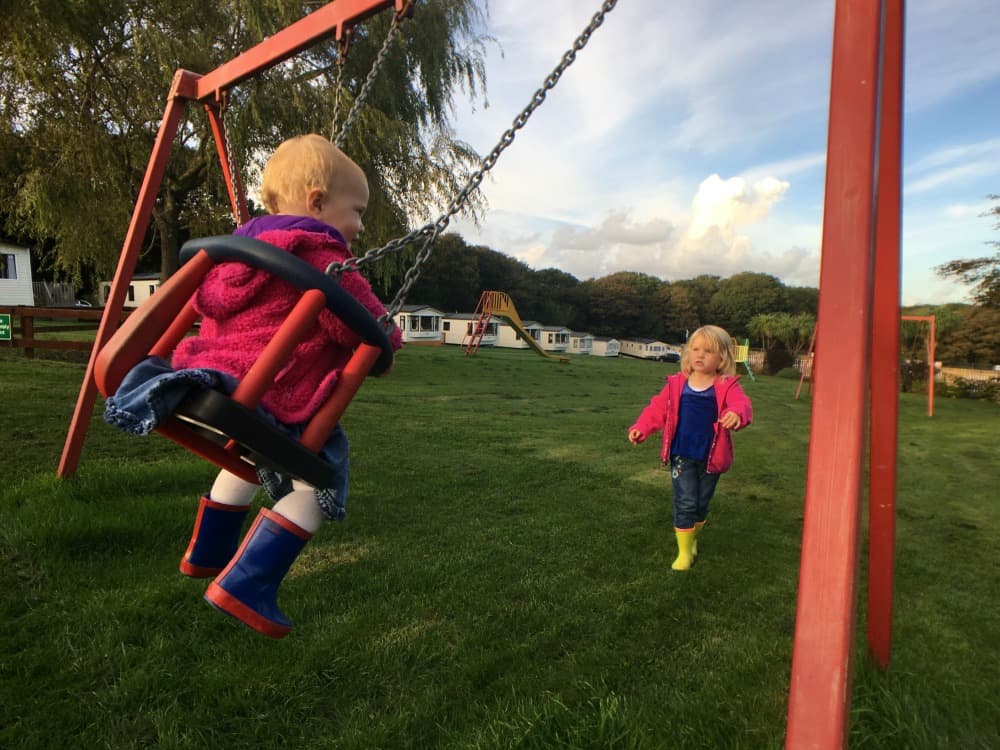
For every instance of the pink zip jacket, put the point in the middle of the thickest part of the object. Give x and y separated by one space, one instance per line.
243 307
664 409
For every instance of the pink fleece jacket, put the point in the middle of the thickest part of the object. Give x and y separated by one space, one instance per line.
664 409
242 308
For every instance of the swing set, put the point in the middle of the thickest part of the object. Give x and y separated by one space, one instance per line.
858 310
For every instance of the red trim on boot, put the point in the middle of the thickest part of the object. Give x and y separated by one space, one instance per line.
287 525
199 571
225 602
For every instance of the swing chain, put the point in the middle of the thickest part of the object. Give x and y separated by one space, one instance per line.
359 102
429 232
224 103
339 83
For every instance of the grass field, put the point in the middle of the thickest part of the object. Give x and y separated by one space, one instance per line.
502 579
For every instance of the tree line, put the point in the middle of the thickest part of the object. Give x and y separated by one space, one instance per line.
624 304
82 90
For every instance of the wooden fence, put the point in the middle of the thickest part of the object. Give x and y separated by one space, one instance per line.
26 335
950 374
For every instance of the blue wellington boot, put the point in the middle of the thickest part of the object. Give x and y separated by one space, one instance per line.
215 538
248 588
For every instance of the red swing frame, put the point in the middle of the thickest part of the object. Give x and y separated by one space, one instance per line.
335 20
858 311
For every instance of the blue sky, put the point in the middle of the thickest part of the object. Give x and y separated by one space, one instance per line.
690 137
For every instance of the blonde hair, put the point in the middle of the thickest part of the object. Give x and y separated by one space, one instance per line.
720 341
300 165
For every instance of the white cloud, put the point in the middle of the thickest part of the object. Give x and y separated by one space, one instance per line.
609 174
725 204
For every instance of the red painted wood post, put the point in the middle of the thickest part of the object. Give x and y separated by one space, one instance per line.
885 345
131 249
820 684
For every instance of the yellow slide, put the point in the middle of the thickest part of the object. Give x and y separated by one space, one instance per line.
500 305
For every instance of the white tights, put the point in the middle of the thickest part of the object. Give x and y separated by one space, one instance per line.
299 506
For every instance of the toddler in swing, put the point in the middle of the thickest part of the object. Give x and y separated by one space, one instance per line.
698 410
315 197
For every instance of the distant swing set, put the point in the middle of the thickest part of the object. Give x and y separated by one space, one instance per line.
858 313
809 361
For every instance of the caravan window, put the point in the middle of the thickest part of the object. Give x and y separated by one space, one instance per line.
8 266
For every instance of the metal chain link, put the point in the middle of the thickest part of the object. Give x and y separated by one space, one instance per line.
338 89
352 116
224 108
429 232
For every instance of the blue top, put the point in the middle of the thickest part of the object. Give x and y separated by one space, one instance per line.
269 222
695 423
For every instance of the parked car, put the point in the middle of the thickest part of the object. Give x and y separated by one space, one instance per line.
670 357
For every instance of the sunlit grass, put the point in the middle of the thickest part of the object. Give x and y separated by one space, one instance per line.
502 579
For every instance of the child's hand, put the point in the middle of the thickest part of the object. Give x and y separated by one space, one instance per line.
730 420
635 437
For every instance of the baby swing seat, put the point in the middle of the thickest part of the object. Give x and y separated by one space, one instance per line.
226 429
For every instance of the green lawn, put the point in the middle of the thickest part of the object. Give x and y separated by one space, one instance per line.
502 580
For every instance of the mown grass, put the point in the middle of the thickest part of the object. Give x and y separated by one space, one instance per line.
502 580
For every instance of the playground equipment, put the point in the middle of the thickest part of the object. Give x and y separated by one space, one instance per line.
858 313
225 429
335 19
500 305
806 373
741 356
859 317
931 341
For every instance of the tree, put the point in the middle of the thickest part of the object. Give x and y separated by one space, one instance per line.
82 90
622 304
975 342
700 290
802 299
983 273
782 336
449 280
744 295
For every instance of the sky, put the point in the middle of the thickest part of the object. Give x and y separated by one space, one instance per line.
689 137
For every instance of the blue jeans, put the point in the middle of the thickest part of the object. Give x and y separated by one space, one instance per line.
152 390
693 489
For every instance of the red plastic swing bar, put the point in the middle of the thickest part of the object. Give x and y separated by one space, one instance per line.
333 19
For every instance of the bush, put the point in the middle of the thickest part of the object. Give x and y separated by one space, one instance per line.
776 360
965 388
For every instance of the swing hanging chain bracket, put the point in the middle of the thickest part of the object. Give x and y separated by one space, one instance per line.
429 232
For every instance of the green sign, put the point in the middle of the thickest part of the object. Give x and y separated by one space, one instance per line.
4 327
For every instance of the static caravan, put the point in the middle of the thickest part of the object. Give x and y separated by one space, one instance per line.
554 338
456 328
580 343
605 346
648 349
15 276
142 287
419 324
509 338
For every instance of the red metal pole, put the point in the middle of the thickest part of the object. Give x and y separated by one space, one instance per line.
131 248
824 630
931 356
330 20
885 345
234 186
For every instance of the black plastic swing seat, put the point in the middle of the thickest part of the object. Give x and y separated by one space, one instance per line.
226 429
223 421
